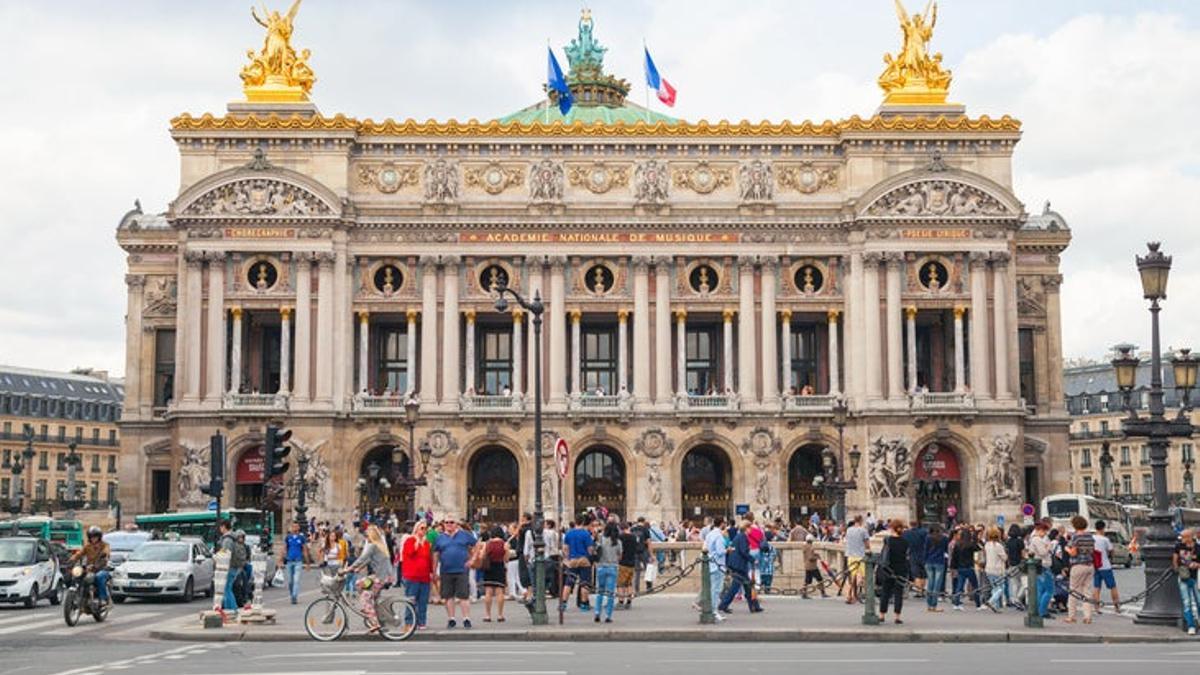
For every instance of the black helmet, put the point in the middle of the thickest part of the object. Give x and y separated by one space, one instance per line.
94 531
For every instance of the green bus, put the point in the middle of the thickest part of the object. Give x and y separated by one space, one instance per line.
66 531
203 524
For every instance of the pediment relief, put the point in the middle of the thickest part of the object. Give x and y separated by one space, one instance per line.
937 198
260 196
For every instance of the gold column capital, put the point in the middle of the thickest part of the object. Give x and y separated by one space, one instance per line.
831 316
785 314
285 313
469 315
910 311
412 314
959 310
576 315
236 312
727 314
680 314
364 317
622 315
518 314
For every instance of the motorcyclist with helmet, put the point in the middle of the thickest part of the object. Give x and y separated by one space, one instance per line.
94 557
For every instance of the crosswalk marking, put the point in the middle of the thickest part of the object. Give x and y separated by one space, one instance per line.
113 620
28 626
21 617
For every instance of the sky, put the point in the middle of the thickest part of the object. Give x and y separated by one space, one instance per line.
1105 90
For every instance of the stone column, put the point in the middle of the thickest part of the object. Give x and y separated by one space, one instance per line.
303 326
576 383
856 351
469 382
727 346
341 363
641 331
192 323
235 351
872 340
285 349
1051 284
410 356
364 354
557 318
135 372
623 350
181 303
325 326
910 316
451 375
835 384
429 338
785 351
770 351
980 382
215 366
662 332
747 342
895 262
1000 322
518 371
536 286
959 366
681 352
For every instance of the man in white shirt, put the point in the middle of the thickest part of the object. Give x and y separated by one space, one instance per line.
715 544
858 543
1104 571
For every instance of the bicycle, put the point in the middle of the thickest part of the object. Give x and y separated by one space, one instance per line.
327 618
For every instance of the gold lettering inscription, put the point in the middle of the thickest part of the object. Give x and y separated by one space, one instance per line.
598 237
260 232
936 233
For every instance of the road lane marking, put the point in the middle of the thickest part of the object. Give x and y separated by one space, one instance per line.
114 621
137 660
375 654
806 660
31 626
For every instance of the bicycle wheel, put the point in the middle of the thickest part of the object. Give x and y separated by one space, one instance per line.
397 619
325 620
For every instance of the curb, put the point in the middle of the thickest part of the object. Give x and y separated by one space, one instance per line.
691 635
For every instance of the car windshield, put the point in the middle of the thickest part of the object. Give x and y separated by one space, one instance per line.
16 552
124 541
160 553
1062 508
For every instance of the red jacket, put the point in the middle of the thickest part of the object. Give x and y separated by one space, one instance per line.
418 561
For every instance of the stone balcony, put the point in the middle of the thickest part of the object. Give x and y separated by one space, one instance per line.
815 404
255 402
600 405
487 405
937 401
701 404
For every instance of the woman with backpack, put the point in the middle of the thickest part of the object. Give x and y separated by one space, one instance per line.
495 574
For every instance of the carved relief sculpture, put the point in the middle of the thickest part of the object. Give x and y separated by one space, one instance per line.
441 182
160 297
807 178
318 472
756 181
761 443
1030 300
654 483
762 490
193 473
493 178
598 177
388 177
702 178
1000 478
650 182
654 443
259 197
937 198
546 182
889 467
441 443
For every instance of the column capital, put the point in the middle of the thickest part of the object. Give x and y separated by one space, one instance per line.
785 315
641 264
429 262
576 314
364 316
285 312
910 312
977 258
215 256
959 310
831 316
894 260
872 257
1051 282
727 314
236 312
135 280
450 262
325 258
622 315
680 314
193 258
469 315
1000 258
557 262
661 263
412 314
518 314
746 263
770 263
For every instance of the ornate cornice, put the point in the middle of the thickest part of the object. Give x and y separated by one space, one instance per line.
701 129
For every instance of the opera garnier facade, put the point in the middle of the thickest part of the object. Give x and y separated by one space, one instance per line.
729 307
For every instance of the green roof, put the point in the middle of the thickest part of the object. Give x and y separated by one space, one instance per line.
627 113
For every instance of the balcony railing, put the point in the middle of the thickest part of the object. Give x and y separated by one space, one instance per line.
942 400
708 402
269 402
813 403
602 403
491 404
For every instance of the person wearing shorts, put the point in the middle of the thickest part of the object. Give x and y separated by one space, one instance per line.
1103 576
450 554
578 542
857 546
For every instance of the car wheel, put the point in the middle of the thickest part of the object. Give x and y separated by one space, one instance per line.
189 591
57 597
119 599
32 600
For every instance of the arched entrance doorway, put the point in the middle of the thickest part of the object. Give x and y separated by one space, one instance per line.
938 479
248 489
600 481
706 483
804 495
391 463
493 486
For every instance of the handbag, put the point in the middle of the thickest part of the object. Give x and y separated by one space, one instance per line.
475 562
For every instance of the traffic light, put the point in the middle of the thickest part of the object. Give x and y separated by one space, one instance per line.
276 451
216 467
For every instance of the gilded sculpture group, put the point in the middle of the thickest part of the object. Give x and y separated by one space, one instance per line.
912 76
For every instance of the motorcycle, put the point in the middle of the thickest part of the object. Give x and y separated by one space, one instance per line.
81 597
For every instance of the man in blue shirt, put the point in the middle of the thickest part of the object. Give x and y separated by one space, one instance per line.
716 545
293 559
450 554
579 542
917 537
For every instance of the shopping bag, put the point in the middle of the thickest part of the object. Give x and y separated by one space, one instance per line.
651 572
280 579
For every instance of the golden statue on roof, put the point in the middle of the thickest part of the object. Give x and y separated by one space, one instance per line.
276 73
913 76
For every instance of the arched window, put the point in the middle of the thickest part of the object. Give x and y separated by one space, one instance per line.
493 488
706 482
600 481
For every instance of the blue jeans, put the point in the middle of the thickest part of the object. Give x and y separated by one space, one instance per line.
935 583
999 586
418 592
738 581
964 575
294 568
606 588
351 577
102 584
1190 599
229 601
716 579
1045 591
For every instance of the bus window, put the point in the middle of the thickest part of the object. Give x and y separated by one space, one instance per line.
1062 508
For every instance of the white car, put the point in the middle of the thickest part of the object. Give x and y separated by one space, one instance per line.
164 568
29 571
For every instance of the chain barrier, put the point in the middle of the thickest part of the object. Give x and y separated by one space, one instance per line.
819 587
1138 597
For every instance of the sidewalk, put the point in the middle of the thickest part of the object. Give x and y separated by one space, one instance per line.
669 617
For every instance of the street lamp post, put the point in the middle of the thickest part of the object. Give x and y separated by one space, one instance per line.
1189 492
1162 605
835 480
408 481
1106 477
302 492
371 484
535 309
71 500
412 412
27 453
17 490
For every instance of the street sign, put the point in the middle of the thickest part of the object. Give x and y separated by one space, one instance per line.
212 505
1000 520
743 509
562 457
1027 510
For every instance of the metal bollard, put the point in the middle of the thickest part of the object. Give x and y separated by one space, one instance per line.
1033 619
870 617
706 608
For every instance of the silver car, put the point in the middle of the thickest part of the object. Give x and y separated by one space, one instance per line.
164 568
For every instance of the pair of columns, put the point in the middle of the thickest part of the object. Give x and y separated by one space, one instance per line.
833 357
364 349
577 356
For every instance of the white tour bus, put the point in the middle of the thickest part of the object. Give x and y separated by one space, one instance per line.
1062 507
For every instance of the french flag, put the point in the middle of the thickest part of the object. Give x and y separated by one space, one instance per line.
666 93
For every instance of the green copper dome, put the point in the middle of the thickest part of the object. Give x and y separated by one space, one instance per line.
599 97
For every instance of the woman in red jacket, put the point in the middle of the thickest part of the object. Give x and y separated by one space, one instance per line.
415 567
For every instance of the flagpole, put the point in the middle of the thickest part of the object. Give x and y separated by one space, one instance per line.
547 117
645 83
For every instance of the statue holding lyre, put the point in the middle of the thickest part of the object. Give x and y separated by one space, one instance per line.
277 73
914 75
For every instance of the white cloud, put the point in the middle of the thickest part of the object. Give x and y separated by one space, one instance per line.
89 89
